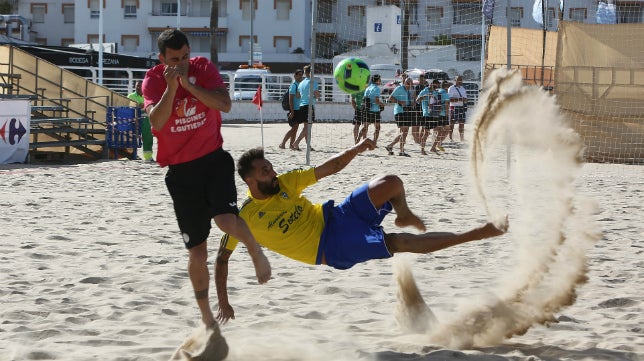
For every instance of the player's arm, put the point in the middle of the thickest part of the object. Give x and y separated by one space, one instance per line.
160 112
226 311
340 160
217 98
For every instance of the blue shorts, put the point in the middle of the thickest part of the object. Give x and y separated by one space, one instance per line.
352 232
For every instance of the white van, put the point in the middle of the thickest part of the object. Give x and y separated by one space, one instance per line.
387 72
247 80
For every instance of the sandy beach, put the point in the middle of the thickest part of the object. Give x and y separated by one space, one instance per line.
92 266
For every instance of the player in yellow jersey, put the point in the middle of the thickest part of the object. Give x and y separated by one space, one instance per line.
340 236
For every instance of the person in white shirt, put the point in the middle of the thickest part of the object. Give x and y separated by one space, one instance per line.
458 107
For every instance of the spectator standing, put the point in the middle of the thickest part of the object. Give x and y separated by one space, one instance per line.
146 131
358 114
305 100
417 128
458 107
403 107
373 107
294 115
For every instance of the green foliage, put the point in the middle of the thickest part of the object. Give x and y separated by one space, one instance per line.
442 39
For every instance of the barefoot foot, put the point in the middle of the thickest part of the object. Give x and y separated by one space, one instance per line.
410 221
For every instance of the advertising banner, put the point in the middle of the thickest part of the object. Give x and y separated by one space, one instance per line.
15 116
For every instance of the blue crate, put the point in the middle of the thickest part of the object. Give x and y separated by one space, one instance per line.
124 129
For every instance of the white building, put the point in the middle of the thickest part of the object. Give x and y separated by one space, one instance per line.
282 28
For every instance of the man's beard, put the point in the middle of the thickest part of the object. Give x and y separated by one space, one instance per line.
269 188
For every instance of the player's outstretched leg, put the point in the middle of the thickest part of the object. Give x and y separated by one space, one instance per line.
390 188
434 241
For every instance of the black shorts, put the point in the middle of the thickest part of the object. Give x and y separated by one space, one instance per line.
458 114
443 121
201 189
358 117
372 117
304 114
429 122
402 120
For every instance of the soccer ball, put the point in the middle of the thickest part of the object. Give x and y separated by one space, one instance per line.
352 75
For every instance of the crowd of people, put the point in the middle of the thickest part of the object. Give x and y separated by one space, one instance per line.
429 105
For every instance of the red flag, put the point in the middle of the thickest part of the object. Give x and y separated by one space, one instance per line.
257 98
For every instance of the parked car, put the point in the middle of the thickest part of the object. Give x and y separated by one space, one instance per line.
247 80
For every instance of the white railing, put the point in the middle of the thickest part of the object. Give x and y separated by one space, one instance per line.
122 80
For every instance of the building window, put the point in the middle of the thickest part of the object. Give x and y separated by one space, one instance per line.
467 13
220 43
38 12
282 44
325 11
516 14
412 8
578 14
357 16
66 41
244 5
244 42
468 49
434 15
200 44
93 38
68 13
41 41
629 12
130 43
282 9
94 11
129 9
551 17
169 9
324 45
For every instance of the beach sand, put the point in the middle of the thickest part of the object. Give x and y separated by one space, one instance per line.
92 266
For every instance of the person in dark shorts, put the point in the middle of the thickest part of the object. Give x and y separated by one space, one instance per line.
339 236
358 115
373 107
184 97
458 107
294 115
403 112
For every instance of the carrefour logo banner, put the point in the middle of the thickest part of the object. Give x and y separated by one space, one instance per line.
15 116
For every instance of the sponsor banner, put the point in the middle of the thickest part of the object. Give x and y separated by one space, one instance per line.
15 116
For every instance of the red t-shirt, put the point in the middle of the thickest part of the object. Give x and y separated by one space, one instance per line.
193 130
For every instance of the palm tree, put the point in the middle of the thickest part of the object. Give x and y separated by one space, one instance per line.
214 24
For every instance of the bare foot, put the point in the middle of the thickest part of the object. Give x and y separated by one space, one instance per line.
410 221
492 230
281 146
295 148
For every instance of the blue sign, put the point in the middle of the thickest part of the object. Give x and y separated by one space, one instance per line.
377 27
397 19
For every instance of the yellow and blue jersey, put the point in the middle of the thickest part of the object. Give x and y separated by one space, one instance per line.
287 222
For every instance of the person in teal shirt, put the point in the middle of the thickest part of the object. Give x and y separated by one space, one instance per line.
373 107
294 114
303 90
403 103
146 131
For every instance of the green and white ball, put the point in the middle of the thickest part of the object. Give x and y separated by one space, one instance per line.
352 75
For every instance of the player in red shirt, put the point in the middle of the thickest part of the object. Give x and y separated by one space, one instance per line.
184 97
